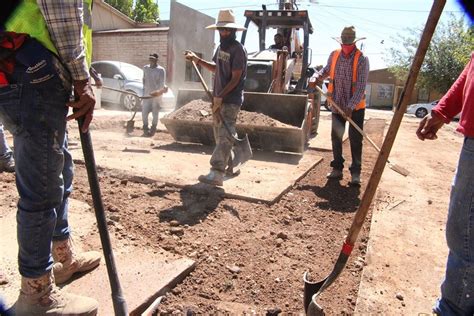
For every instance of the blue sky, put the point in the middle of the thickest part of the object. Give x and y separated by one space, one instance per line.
378 21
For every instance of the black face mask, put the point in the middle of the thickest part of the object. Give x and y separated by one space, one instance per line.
228 40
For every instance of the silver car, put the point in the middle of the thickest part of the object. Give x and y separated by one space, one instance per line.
422 109
120 76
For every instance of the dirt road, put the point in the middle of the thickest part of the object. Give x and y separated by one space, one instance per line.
251 256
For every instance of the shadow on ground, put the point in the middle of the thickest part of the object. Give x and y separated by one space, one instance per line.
197 202
336 197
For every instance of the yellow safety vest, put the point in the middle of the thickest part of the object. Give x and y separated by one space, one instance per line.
27 18
335 57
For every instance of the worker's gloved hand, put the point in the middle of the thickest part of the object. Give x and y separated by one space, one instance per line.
216 107
84 103
347 112
216 104
191 56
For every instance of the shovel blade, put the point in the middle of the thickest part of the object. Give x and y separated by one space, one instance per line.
314 309
242 152
310 289
130 126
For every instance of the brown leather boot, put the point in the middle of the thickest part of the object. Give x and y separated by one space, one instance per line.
213 178
67 261
40 296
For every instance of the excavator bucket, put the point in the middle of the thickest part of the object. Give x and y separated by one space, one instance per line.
293 110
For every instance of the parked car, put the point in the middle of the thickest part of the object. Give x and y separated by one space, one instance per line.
422 109
324 101
123 76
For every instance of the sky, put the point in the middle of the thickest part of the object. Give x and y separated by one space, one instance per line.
379 21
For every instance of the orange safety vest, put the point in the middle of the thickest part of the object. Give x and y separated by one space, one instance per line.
335 57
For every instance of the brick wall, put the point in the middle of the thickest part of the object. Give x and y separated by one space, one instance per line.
132 47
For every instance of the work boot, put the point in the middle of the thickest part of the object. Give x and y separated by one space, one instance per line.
146 132
152 131
230 173
335 174
213 177
67 261
40 296
355 180
7 163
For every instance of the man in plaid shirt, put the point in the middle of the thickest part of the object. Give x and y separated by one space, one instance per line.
347 69
39 75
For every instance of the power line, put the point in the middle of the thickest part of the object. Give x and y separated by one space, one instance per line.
232 7
380 9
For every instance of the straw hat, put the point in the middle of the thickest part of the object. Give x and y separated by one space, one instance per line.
348 36
226 18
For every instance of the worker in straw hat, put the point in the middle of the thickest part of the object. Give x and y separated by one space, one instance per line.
347 69
230 67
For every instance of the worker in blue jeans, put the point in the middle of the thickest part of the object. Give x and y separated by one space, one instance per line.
47 64
457 290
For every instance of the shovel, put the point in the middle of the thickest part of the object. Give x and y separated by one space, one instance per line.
130 123
241 151
312 290
394 167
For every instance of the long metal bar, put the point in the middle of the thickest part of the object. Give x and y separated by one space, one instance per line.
120 306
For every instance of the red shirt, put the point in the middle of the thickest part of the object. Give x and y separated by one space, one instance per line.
460 98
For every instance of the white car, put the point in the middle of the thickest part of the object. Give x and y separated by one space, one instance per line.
122 76
422 109
324 101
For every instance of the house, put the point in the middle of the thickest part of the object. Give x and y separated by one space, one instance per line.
383 90
117 37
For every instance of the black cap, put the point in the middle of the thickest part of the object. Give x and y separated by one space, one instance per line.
154 56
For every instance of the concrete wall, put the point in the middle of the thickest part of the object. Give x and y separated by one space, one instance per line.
385 90
381 76
381 94
187 32
131 46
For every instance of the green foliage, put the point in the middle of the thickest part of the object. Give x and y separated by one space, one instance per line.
146 11
124 6
447 55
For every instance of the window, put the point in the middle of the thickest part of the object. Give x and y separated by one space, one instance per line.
106 70
190 74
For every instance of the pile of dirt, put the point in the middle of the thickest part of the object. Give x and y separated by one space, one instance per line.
200 110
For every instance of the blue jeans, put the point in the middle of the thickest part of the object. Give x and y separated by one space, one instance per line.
457 290
35 113
355 139
153 106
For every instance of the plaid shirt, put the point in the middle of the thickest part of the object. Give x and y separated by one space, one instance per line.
342 93
64 20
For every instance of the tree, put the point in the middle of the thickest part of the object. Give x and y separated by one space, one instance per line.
124 6
146 11
447 55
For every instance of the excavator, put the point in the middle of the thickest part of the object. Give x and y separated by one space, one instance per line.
276 86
